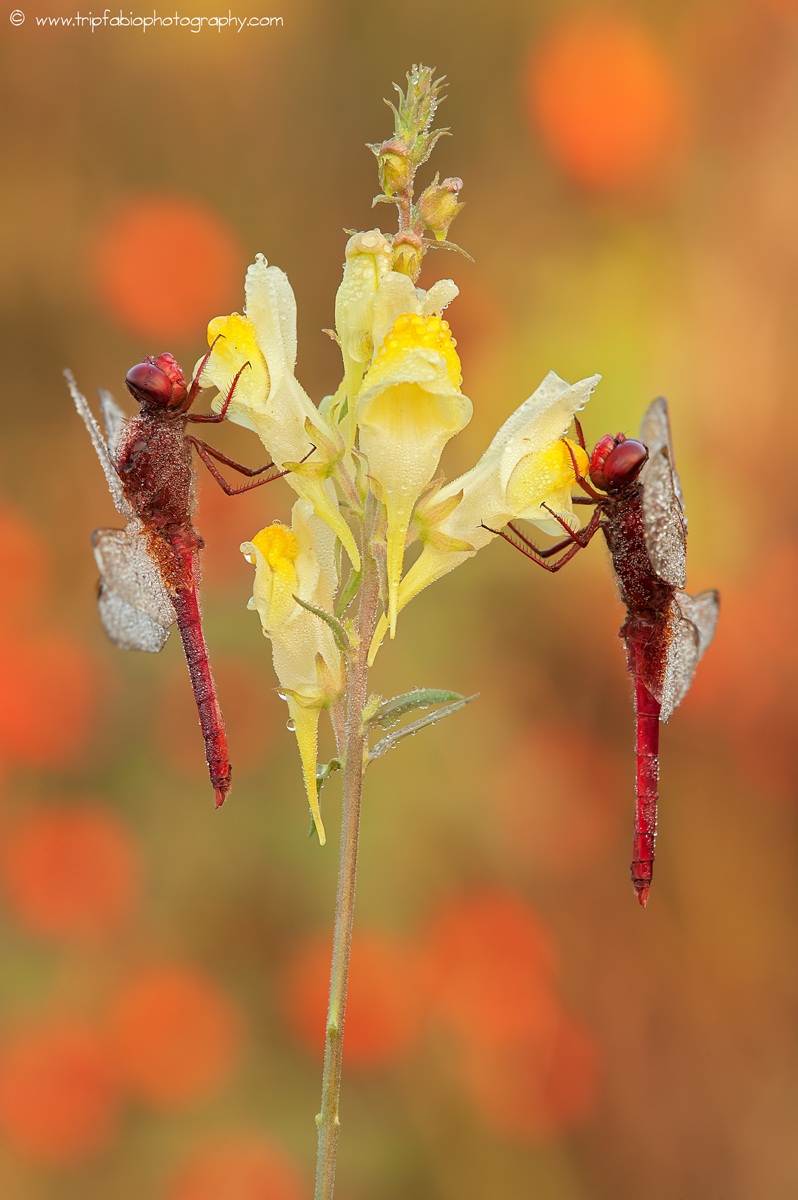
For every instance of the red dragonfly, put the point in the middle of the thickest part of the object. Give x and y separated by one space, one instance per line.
151 570
640 509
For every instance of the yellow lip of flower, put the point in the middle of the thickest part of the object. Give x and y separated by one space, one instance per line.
533 432
396 295
412 331
236 346
537 478
276 580
268 398
279 546
410 405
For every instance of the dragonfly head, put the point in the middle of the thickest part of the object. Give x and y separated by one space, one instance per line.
616 462
159 382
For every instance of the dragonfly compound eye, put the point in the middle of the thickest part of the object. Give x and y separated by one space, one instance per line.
623 465
149 384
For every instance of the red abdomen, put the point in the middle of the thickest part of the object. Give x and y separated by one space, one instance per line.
647 711
189 622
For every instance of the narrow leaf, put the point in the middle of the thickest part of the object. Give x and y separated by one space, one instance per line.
339 633
390 711
325 770
348 594
393 739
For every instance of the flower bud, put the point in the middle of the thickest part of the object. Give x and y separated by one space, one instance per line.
393 165
438 206
408 254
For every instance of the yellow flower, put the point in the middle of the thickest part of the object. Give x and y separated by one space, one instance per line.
397 294
526 465
410 405
368 259
370 299
268 397
299 562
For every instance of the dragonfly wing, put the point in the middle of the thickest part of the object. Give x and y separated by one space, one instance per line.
703 611
694 622
128 570
101 446
127 626
664 523
655 432
114 420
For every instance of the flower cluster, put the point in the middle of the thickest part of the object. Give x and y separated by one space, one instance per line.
365 462
382 432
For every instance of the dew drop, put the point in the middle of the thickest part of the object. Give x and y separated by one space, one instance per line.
291 726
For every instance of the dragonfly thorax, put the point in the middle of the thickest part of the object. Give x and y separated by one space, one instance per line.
159 382
616 462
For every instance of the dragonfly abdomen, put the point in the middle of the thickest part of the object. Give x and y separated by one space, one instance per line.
647 711
217 754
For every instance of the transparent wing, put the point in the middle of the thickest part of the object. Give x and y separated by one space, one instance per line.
114 421
100 445
655 432
129 627
664 523
128 570
693 626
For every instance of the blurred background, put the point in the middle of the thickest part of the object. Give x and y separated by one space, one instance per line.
518 1026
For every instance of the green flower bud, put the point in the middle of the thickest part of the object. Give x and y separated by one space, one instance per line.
438 206
393 164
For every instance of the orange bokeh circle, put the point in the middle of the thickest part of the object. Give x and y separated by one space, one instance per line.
163 266
48 699
534 1088
24 566
58 1096
237 1167
71 874
606 101
383 1008
175 1035
490 970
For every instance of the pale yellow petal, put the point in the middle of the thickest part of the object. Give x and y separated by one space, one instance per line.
306 729
368 258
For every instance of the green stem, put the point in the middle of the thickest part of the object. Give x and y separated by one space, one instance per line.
355 737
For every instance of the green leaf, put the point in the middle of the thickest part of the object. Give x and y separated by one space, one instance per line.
325 770
348 594
339 633
390 711
393 739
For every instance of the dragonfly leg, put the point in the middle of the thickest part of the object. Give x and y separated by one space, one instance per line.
209 453
193 391
533 552
580 437
216 418
580 536
578 476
